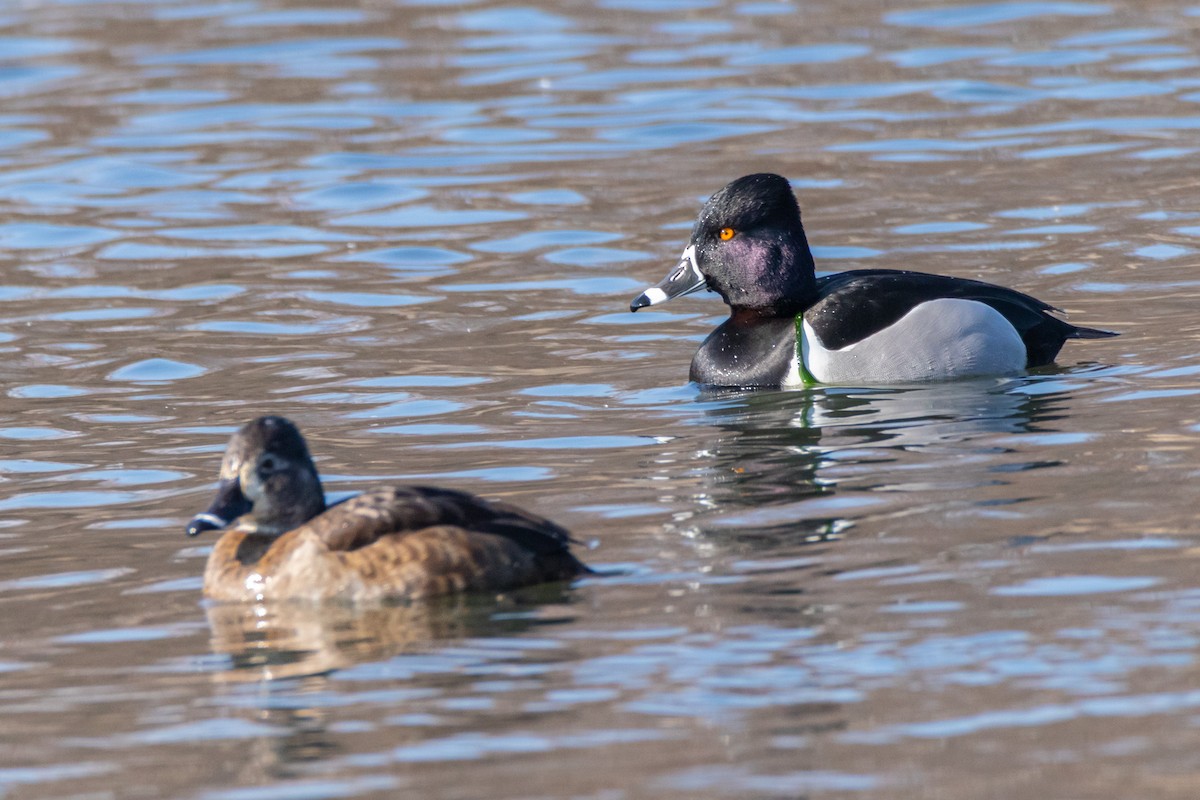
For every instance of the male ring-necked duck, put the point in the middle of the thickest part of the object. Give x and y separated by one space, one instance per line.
391 543
789 327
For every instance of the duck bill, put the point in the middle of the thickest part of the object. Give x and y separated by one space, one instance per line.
684 279
228 505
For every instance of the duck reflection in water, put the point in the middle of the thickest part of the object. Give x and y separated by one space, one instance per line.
396 543
271 641
278 654
773 464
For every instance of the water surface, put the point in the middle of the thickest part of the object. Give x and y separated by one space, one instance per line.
415 229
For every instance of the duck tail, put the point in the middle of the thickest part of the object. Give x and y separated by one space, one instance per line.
1090 333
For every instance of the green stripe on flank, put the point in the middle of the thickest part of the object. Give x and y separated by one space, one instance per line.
805 375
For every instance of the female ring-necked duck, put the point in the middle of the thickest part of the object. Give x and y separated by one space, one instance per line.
391 543
789 327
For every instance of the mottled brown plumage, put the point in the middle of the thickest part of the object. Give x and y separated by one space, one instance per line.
390 543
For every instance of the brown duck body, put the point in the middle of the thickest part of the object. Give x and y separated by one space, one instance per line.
391 543
395 543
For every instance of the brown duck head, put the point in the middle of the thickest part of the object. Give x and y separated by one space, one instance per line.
268 482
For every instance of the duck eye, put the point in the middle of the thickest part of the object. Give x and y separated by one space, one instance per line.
726 234
268 464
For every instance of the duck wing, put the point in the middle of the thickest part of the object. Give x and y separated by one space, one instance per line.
401 511
853 305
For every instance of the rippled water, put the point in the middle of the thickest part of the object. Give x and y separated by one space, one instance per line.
415 228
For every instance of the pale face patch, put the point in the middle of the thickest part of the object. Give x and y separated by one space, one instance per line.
941 339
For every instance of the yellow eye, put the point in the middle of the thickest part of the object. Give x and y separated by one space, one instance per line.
726 234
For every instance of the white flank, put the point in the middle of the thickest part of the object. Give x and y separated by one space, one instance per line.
938 340
794 375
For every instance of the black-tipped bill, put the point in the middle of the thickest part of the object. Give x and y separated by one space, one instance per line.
684 279
228 505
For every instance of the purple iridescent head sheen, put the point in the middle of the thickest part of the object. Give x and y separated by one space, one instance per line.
766 266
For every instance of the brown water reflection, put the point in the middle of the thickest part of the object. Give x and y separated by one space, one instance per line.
289 640
414 229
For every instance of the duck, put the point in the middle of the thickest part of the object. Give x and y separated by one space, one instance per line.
282 540
788 327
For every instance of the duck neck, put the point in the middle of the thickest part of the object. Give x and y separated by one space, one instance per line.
252 547
800 279
287 507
